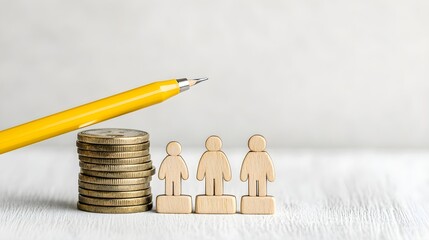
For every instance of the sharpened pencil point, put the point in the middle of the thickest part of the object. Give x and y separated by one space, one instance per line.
195 81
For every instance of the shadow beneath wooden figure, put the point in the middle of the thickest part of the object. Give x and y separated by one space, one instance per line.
22 201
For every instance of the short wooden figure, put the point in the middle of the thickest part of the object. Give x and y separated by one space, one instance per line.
257 167
173 169
215 168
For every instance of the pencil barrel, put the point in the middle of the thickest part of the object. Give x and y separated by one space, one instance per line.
86 115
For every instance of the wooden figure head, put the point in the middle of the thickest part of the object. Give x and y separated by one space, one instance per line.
213 143
174 148
257 143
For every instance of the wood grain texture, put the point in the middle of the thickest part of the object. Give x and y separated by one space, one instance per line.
173 169
258 205
319 195
174 204
256 169
214 167
224 204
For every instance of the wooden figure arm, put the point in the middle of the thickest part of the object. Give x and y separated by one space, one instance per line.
201 171
226 169
271 175
244 172
162 171
184 172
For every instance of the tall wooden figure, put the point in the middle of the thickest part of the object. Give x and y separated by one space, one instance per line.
173 169
257 167
214 167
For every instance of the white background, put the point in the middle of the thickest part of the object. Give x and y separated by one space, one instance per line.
303 73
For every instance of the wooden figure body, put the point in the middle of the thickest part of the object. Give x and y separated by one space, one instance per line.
214 168
173 169
257 168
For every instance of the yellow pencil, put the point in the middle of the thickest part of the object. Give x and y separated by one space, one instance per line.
91 113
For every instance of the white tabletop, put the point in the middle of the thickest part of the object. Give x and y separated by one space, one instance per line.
320 194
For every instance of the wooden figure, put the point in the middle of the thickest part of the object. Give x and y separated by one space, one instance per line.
257 167
214 167
173 169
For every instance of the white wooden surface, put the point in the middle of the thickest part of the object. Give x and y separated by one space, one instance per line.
320 195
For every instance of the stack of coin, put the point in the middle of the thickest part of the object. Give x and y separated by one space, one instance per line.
116 171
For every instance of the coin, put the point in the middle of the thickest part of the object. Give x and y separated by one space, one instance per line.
103 194
94 154
115 202
112 148
107 181
128 209
116 168
114 188
113 136
137 174
117 161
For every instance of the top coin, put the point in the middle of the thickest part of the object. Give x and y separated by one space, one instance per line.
110 136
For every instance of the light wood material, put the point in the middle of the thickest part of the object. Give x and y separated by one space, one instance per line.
257 168
258 205
214 168
173 169
225 204
174 204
